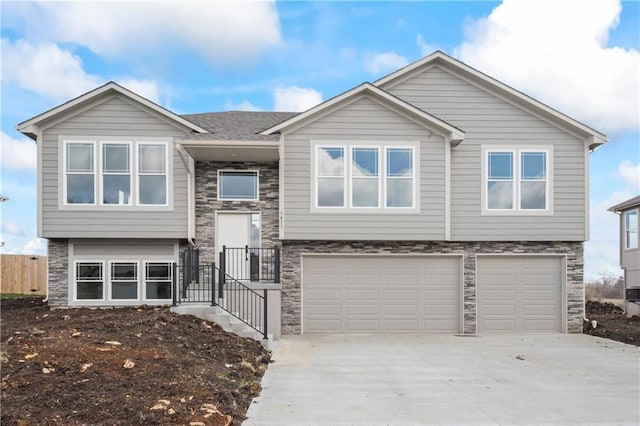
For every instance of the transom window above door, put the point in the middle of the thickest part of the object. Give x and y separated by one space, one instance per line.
362 177
239 185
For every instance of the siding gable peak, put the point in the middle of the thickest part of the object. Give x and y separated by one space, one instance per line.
441 59
453 134
30 126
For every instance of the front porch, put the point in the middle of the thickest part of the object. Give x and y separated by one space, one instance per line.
242 288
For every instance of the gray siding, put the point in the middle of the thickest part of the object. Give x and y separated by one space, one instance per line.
112 118
363 120
487 119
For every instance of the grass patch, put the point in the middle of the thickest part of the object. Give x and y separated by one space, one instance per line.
8 296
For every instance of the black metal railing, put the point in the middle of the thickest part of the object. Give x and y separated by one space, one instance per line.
244 303
253 264
195 283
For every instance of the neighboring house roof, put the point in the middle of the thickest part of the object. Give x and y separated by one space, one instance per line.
237 125
440 58
626 205
451 132
28 127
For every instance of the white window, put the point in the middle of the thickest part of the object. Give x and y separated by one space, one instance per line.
331 176
80 174
238 185
124 281
400 178
365 177
516 180
116 173
152 174
360 177
158 280
89 279
631 229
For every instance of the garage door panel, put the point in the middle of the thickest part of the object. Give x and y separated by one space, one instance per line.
519 293
362 295
362 325
404 325
400 309
363 310
324 325
325 293
382 293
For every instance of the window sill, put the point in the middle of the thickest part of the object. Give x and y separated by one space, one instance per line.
366 210
516 212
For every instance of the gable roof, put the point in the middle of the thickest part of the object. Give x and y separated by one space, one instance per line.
625 205
440 58
451 132
237 125
28 127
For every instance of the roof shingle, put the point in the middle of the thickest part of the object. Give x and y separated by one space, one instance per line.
237 125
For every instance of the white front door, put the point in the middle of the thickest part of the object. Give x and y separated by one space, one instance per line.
234 231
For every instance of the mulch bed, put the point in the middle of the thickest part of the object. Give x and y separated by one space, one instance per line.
123 366
611 323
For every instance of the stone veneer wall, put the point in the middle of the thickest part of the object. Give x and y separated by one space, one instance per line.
58 270
207 203
292 274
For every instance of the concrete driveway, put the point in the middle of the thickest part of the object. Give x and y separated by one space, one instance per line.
403 379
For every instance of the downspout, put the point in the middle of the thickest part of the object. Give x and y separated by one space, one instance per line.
39 207
190 185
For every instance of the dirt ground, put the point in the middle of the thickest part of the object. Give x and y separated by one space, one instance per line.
611 323
122 366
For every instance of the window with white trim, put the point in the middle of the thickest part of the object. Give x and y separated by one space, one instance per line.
360 176
89 280
157 280
152 174
631 229
365 177
103 172
516 180
116 173
124 281
238 185
330 176
400 179
80 173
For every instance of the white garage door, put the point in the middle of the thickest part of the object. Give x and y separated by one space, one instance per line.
519 293
355 294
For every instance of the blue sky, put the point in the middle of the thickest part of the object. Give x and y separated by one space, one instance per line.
579 56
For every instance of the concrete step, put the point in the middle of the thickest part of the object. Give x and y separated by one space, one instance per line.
225 320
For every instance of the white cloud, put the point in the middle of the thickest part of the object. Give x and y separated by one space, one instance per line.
557 52
630 174
35 246
223 32
384 62
242 106
45 69
10 227
601 253
50 71
425 48
17 154
295 98
145 88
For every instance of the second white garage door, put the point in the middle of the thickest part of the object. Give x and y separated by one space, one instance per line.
356 294
520 293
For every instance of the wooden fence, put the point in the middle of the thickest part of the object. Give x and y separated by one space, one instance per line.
23 274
